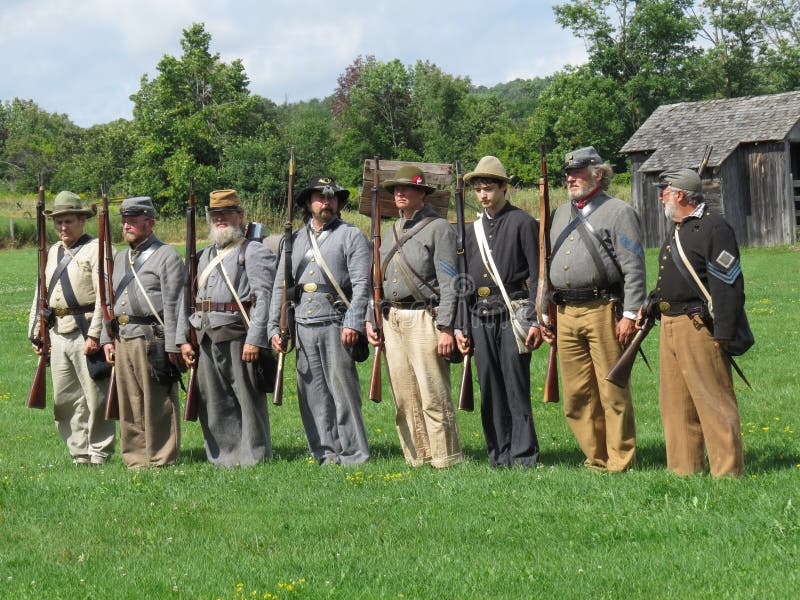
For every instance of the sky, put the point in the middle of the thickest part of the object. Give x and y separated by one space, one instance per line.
85 58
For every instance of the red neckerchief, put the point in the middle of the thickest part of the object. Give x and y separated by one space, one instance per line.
579 204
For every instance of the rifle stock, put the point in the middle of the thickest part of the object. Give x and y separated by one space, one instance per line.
466 393
37 396
375 382
545 309
105 270
286 322
620 373
190 294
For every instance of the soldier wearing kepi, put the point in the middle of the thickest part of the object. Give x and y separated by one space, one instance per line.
696 394
147 287
234 285
331 265
76 321
598 275
418 256
502 252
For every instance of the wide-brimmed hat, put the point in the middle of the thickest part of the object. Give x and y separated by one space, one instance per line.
138 205
683 179
582 157
408 175
326 186
489 167
221 200
68 203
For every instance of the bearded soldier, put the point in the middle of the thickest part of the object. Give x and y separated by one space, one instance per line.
147 288
331 264
75 324
234 285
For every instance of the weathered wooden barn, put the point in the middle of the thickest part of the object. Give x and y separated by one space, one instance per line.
752 175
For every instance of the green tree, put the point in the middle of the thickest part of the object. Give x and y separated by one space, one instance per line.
779 54
185 117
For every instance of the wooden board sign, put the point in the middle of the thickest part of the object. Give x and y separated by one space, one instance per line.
436 175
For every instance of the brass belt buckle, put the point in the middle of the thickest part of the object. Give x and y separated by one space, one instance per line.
484 291
60 311
310 287
123 319
205 305
664 306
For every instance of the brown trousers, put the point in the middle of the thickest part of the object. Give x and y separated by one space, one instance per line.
149 422
698 404
599 413
426 420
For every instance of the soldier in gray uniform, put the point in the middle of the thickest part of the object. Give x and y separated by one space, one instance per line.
147 288
418 254
71 272
597 270
234 285
332 292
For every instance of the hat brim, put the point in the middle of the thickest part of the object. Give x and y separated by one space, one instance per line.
481 175
237 208
661 184
342 195
87 211
393 183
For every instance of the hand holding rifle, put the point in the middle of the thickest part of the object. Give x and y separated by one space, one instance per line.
105 275
189 296
466 395
375 330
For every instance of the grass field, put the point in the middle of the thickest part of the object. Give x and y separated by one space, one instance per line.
290 529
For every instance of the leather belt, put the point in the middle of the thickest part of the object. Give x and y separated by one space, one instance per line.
208 306
675 309
569 296
62 311
125 319
409 302
515 292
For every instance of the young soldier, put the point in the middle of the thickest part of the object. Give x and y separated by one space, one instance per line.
503 258
418 254
234 286
331 263
698 404
597 271
147 282
72 283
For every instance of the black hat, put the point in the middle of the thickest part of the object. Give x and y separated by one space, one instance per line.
327 186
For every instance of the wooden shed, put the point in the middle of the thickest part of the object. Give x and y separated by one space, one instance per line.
753 172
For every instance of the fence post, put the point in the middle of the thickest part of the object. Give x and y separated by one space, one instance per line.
11 229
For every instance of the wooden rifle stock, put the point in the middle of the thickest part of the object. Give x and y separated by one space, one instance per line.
190 294
37 397
105 271
545 309
620 373
286 322
375 383
466 393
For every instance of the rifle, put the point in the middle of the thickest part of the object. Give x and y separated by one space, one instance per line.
375 385
545 308
105 276
37 397
190 293
620 373
286 322
466 396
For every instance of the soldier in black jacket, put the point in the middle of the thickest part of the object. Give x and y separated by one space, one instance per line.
696 396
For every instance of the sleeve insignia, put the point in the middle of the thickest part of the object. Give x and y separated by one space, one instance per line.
725 259
447 268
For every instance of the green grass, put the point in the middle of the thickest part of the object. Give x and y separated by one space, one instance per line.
291 529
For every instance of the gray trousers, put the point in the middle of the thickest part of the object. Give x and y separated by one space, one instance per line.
330 396
232 412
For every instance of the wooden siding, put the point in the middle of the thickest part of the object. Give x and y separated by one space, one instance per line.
772 208
436 175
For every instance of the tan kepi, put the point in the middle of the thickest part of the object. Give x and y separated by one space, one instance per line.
69 203
220 200
489 167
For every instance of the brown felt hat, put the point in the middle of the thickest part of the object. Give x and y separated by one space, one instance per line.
224 200
408 175
489 167
68 203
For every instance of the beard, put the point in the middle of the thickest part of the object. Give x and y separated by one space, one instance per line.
669 209
582 189
224 236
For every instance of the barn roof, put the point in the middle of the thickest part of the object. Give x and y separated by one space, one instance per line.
677 134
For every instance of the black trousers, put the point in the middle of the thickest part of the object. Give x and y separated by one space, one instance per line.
505 382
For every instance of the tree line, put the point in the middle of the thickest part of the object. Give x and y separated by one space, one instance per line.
197 117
